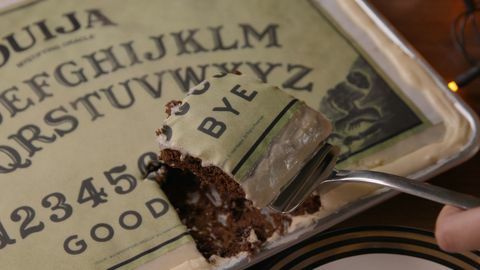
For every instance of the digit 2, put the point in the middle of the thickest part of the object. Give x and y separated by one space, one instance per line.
25 228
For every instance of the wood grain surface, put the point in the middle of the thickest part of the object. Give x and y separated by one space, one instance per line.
426 25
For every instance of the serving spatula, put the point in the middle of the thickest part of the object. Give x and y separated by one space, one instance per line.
319 174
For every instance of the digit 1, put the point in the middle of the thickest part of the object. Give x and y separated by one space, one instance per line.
5 238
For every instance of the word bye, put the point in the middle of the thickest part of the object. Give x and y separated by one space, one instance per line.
216 128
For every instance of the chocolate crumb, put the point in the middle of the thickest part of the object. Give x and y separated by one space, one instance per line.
214 208
170 105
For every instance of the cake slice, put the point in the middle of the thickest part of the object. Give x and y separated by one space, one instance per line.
234 127
231 145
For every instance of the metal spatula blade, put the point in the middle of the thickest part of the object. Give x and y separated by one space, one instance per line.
315 171
319 174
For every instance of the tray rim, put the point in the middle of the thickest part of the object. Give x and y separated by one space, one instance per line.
471 147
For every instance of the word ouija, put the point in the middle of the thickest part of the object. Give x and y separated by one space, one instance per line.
26 39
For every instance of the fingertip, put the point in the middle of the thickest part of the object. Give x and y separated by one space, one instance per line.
449 210
444 215
444 237
445 231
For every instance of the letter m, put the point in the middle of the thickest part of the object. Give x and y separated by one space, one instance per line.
270 33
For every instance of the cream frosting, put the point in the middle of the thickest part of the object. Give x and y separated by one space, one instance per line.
185 257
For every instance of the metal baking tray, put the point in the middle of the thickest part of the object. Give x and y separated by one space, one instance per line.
359 205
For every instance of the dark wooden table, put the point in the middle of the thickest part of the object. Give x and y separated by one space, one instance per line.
426 25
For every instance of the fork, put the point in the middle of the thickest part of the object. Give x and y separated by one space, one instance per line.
319 174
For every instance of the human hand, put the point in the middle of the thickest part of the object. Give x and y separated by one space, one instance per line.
458 230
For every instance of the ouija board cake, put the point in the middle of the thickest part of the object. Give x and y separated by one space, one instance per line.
83 87
230 146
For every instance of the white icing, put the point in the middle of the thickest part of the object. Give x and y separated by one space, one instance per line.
303 221
266 213
252 237
193 197
224 263
176 108
185 257
214 197
222 218
197 264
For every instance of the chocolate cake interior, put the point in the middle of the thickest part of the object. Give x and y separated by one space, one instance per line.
213 207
